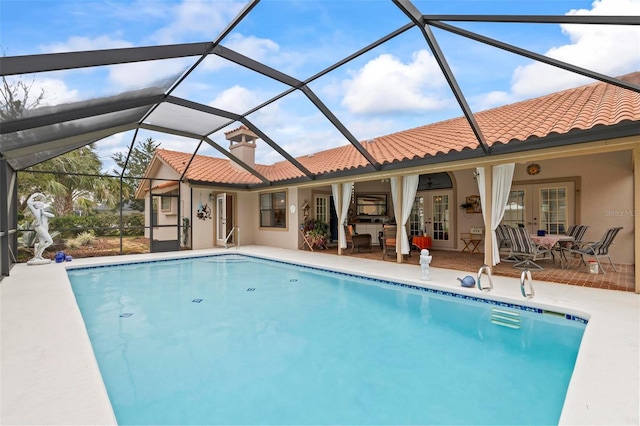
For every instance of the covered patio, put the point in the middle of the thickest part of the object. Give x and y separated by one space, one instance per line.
469 264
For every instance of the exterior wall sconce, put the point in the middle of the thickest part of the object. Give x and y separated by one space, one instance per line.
211 197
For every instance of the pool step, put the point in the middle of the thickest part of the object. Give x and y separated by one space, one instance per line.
505 318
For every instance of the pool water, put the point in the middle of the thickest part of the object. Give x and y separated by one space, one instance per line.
240 340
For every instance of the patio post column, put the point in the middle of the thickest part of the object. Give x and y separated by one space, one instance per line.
338 203
636 216
487 214
398 208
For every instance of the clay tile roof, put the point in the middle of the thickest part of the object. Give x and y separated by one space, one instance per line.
206 169
579 108
242 127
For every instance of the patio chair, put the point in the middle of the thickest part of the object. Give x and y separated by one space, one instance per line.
523 246
596 249
575 231
502 235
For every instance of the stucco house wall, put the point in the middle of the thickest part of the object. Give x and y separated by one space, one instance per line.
604 199
202 229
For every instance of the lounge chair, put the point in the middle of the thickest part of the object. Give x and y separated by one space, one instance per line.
524 247
596 249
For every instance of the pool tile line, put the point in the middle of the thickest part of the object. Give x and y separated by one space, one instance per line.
375 280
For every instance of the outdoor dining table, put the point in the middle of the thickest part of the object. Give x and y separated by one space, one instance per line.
422 242
550 241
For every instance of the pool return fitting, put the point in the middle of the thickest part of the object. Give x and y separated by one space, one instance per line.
486 270
526 277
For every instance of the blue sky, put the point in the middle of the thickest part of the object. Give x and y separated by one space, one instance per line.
394 87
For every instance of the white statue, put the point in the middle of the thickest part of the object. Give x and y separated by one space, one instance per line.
41 227
425 260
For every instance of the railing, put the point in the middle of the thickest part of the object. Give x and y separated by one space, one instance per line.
484 270
226 240
526 277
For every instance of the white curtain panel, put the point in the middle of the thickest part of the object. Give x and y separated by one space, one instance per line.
409 189
394 196
501 186
346 200
342 238
342 207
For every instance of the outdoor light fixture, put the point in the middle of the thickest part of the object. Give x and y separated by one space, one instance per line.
211 197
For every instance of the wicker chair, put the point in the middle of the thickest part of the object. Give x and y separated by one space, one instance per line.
389 233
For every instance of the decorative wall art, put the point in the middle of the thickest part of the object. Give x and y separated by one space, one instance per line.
204 211
472 204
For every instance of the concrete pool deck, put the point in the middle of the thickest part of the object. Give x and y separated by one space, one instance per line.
49 374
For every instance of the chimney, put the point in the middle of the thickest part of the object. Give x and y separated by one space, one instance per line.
242 145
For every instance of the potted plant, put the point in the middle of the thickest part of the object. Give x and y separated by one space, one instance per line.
317 232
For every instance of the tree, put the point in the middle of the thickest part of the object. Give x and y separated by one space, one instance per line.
139 159
72 180
16 98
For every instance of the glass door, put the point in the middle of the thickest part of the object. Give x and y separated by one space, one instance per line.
548 206
436 217
224 219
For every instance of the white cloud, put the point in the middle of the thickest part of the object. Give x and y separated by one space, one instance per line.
56 91
199 18
77 43
385 84
492 99
235 99
255 48
607 49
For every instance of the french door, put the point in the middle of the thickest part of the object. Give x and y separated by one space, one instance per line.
548 206
431 216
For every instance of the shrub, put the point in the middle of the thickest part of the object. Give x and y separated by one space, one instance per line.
83 239
102 224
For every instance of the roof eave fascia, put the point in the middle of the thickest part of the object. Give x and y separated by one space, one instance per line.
208 184
573 137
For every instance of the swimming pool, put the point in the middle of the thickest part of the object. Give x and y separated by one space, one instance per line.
238 340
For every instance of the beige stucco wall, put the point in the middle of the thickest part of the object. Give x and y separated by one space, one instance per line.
202 229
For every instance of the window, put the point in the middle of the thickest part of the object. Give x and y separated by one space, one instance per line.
273 209
165 204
